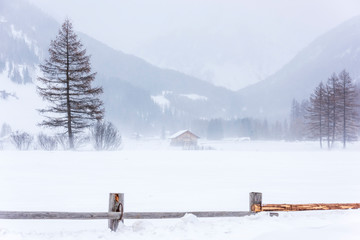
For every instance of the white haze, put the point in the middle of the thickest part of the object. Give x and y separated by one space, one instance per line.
230 43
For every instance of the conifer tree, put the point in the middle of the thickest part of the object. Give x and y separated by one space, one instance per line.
333 110
347 108
333 83
66 85
327 114
315 114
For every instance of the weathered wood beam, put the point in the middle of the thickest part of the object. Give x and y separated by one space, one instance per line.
116 215
304 207
162 215
59 215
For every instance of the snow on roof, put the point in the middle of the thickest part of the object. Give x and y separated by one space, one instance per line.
175 135
179 133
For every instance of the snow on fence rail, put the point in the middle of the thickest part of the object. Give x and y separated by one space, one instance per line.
116 212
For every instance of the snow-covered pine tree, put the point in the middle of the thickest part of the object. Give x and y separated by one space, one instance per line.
66 85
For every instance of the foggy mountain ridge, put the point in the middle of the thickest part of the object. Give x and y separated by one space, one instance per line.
136 93
248 58
141 97
331 52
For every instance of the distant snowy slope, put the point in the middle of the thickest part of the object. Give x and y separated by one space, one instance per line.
334 51
229 53
139 96
128 81
25 33
18 104
115 67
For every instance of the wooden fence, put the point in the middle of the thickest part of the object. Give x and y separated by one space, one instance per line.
257 206
117 214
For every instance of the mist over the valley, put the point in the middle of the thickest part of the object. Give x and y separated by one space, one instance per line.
162 72
181 119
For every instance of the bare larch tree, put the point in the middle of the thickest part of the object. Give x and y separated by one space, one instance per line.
327 114
315 114
333 110
66 85
347 105
334 89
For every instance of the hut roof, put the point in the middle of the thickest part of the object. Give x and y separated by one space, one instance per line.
179 133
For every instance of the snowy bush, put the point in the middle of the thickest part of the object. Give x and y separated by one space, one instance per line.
105 136
62 140
21 140
79 141
47 143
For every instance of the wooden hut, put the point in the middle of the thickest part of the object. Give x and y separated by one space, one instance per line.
184 138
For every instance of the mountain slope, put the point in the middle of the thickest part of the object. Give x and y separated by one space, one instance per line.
334 51
133 88
115 65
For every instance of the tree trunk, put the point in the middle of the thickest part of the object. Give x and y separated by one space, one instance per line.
70 134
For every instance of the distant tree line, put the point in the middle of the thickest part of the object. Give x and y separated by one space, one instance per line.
249 128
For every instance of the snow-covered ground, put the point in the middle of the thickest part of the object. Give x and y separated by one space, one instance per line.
155 177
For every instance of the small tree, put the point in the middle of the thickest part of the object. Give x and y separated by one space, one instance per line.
79 140
21 140
47 143
62 141
105 136
66 85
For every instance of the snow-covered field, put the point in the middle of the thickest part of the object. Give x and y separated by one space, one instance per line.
155 177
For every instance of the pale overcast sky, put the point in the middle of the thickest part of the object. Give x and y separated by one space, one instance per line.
228 42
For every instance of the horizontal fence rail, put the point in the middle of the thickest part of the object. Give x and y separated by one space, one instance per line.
116 213
60 215
304 207
257 206
162 215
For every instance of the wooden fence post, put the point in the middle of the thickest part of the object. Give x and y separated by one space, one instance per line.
116 204
255 198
